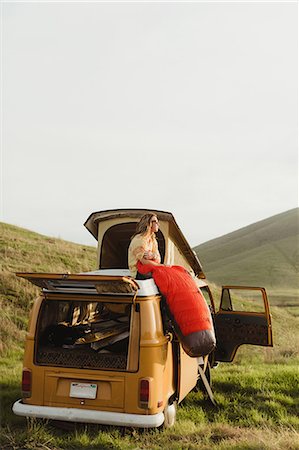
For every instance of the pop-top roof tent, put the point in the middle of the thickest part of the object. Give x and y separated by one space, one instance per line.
113 230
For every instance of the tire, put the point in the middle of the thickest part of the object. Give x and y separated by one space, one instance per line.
169 415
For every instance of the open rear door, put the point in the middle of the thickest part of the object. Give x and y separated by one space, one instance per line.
243 318
81 282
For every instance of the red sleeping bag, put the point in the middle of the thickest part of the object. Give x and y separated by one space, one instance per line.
189 310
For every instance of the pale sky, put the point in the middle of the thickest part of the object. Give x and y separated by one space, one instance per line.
187 107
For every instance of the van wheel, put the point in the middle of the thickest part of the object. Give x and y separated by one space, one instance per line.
169 415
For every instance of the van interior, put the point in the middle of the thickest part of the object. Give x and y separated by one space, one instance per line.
83 334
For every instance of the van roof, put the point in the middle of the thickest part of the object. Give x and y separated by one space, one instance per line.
92 224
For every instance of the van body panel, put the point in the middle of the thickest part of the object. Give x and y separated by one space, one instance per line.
155 368
151 323
109 390
37 374
187 373
169 375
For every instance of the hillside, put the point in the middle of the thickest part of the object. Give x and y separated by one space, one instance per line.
25 251
265 253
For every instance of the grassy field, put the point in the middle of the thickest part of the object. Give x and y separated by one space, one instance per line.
257 395
257 409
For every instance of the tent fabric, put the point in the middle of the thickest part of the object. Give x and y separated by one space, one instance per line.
188 308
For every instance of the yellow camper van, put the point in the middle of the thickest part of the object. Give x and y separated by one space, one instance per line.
101 347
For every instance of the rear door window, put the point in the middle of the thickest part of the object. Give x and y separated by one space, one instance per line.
86 334
243 318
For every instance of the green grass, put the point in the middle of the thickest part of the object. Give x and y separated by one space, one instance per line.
257 405
257 395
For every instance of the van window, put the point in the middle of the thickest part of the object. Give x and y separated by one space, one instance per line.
84 334
208 297
115 244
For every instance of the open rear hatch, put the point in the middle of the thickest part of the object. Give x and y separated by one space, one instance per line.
81 282
87 326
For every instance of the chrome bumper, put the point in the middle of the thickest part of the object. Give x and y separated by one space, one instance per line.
88 415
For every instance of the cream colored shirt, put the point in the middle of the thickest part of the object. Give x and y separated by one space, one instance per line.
138 246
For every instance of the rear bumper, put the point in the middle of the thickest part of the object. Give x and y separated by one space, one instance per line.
88 415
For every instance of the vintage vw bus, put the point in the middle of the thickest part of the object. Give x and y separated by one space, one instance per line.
101 347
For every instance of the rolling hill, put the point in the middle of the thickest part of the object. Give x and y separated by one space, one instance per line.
25 251
265 253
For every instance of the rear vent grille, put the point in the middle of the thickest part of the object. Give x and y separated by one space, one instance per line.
80 359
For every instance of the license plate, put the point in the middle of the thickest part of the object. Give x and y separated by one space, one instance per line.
83 390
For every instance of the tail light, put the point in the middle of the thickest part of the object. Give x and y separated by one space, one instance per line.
144 392
26 383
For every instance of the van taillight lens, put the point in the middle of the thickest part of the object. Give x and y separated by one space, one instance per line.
26 383
144 393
